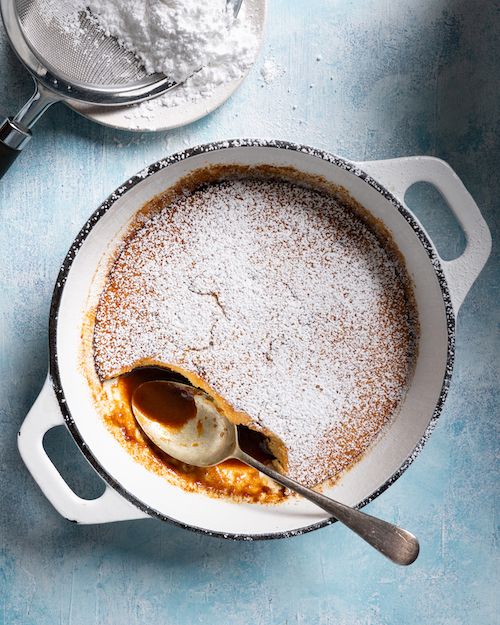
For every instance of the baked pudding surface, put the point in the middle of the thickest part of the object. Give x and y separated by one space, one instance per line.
279 297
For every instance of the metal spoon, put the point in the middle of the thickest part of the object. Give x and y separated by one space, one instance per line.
199 435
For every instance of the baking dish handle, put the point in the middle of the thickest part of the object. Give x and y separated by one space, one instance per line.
398 174
43 416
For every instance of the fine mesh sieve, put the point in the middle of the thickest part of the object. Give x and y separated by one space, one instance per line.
69 62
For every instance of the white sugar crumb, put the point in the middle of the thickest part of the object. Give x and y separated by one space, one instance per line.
282 300
270 71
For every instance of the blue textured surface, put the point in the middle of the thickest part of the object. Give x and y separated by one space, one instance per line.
395 78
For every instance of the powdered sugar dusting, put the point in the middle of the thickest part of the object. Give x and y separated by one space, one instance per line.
283 300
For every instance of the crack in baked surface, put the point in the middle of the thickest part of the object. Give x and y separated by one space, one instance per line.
282 300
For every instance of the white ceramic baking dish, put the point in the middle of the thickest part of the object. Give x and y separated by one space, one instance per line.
134 492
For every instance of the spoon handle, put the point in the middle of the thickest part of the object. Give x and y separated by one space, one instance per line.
393 542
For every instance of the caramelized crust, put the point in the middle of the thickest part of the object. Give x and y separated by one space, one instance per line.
278 296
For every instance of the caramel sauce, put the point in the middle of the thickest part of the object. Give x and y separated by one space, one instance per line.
230 478
166 404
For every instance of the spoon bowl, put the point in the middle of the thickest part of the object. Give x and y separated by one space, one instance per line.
201 436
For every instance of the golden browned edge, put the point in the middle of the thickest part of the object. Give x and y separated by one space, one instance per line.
189 184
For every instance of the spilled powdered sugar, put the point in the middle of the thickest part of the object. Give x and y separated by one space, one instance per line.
270 70
282 300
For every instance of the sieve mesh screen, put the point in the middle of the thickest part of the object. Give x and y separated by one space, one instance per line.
85 55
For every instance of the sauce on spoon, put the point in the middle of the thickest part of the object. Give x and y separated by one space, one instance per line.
164 404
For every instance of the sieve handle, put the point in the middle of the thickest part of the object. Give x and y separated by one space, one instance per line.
15 131
12 139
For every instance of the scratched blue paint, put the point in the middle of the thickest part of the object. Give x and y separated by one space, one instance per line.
395 78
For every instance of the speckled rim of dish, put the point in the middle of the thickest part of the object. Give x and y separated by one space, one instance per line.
181 156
